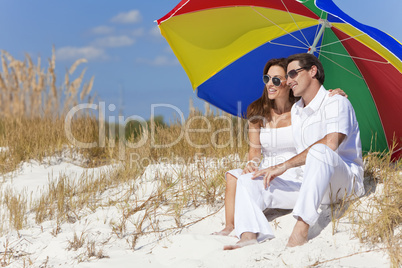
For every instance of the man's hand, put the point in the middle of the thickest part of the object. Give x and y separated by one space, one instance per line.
270 173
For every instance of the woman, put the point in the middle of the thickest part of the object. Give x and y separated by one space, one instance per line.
270 134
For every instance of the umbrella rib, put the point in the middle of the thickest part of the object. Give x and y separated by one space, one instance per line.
280 27
316 32
174 13
285 45
318 25
354 57
342 66
295 23
318 28
340 41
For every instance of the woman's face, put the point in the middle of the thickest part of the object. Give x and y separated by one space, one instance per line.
280 92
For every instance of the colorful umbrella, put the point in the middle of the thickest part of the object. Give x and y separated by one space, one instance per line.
223 46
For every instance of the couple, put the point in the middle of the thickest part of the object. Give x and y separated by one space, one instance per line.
311 153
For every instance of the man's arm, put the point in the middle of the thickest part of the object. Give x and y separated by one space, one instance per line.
332 140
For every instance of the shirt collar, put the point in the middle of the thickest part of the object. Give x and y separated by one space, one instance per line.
299 105
314 105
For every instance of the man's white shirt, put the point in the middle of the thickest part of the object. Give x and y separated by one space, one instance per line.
325 115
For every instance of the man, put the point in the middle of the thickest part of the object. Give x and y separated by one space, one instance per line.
327 140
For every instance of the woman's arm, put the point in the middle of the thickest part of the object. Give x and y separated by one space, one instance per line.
254 153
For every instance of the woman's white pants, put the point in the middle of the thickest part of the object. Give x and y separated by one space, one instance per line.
326 179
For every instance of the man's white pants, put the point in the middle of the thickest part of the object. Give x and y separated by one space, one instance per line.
326 179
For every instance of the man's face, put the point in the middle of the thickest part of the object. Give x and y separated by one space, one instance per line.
299 82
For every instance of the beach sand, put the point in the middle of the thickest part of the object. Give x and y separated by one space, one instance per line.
190 246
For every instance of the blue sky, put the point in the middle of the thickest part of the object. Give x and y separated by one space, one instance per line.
132 63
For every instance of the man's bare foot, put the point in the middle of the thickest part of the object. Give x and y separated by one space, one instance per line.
245 240
296 240
225 232
299 234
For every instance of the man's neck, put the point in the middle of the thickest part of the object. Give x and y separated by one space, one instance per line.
310 93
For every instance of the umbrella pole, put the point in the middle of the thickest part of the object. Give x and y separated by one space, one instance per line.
324 24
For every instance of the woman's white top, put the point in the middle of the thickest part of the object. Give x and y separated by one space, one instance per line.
277 145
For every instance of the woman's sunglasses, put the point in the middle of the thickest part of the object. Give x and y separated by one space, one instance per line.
275 80
293 73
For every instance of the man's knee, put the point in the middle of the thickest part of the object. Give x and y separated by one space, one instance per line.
321 154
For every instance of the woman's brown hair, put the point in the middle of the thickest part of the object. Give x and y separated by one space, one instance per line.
259 111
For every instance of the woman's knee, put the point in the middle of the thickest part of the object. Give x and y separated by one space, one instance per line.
230 179
246 181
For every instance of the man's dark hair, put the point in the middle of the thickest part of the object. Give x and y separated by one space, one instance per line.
306 61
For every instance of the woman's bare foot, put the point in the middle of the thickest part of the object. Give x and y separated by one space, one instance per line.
246 240
225 232
299 234
240 244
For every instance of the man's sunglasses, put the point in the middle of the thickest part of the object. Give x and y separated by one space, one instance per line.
275 80
293 73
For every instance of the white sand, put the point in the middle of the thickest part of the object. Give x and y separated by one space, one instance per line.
191 247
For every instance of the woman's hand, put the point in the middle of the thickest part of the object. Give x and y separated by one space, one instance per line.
337 91
251 166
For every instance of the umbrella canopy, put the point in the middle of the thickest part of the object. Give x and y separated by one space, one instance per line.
223 46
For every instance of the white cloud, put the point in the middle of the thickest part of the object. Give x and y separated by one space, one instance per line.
73 53
132 16
114 41
159 61
138 32
102 30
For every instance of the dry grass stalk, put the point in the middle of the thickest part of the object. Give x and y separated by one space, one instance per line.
91 252
340 208
76 242
75 65
17 208
7 255
319 263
